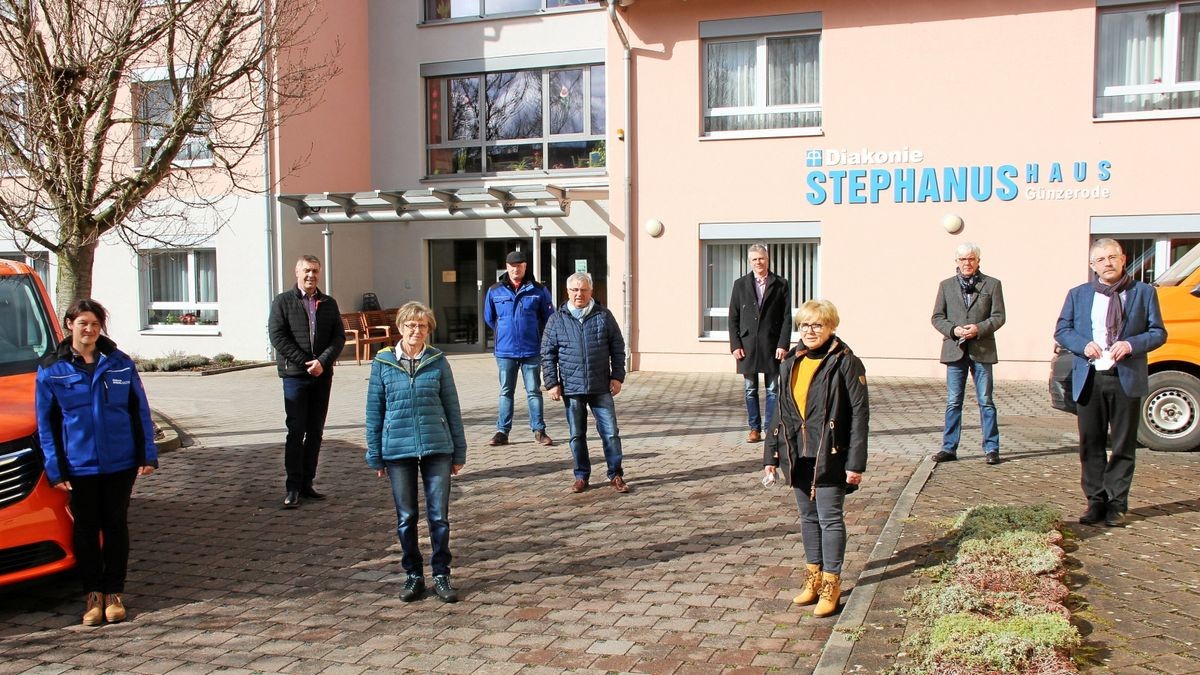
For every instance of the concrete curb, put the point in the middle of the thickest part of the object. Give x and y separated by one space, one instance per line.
171 439
836 655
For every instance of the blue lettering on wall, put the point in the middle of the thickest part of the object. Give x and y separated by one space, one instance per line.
908 185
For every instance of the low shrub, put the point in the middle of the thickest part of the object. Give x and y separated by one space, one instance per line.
223 357
983 522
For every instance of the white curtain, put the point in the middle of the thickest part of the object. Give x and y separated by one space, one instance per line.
793 75
1189 43
206 276
168 277
726 261
729 72
1130 53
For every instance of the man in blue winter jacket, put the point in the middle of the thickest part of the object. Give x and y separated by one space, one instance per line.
583 357
516 309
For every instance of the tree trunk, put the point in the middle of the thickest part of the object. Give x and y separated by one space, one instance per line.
75 263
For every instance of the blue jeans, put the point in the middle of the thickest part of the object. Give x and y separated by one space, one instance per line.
305 405
771 383
435 476
956 383
531 373
605 412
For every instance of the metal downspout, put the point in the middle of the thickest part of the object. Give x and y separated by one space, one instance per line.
269 202
628 156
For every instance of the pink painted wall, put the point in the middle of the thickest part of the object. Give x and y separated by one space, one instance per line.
971 83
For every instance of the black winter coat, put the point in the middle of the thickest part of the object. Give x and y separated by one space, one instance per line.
835 426
759 331
582 356
288 328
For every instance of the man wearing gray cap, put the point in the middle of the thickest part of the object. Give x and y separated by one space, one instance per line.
517 308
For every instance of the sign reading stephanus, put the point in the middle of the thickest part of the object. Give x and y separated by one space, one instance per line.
876 182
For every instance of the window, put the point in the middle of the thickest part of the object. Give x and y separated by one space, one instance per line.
519 120
38 260
157 104
436 10
14 106
181 287
1146 258
1147 61
766 83
725 261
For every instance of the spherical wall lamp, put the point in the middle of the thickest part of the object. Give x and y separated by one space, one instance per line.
952 223
654 227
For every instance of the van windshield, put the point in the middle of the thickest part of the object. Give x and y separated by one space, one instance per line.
1181 270
25 332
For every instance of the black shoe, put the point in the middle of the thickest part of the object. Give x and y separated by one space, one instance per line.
414 588
943 456
1094 514
992 458
291 500
500 438
1114 517
309 493
441 586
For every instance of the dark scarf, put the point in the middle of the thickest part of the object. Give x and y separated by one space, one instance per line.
969 287
1114 321
820 352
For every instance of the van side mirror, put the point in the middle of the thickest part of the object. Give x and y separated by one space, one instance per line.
1196 291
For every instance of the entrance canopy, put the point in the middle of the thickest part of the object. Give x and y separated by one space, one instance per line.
475 203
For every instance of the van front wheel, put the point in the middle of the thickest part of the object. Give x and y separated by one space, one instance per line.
1170 419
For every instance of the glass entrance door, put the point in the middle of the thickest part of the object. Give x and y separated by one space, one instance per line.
454 292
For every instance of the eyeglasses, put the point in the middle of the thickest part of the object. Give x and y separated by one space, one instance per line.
584 289
971 259
415 327
1114 259
812 327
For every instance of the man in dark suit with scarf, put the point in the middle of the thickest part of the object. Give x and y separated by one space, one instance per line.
760 332
968 311
1110 324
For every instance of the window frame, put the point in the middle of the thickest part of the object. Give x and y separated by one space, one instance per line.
1169 83
428 18
149 305
19 93
718 307
142 141
548 138
762 89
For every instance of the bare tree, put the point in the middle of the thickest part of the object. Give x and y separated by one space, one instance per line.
109 107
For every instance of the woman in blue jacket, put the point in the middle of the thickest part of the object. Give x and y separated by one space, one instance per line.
414 426
97 438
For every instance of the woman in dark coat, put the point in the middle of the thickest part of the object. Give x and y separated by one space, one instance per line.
819 445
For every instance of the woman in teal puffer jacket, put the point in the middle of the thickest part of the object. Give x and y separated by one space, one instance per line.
414 426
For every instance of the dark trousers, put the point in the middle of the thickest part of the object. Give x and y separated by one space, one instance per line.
305 402
1103 407
100 505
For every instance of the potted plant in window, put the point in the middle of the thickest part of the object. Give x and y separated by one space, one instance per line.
460 161
443 9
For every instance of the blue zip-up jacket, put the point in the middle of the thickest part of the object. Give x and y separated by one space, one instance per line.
517 316
583 356
413 415
91 426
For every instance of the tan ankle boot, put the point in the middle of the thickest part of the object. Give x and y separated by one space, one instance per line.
94 616
812 585
114 610
831 591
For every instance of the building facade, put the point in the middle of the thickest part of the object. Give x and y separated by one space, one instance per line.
862 142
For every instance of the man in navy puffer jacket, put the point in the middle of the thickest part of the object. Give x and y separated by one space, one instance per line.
583 362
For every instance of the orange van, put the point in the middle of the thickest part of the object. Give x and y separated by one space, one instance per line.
1170 417
35 523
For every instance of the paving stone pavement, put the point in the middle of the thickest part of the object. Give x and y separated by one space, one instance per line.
691 572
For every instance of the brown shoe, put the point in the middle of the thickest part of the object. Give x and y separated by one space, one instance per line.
500 438
541 437
579 485
94 616
114 610
619 485
754 437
